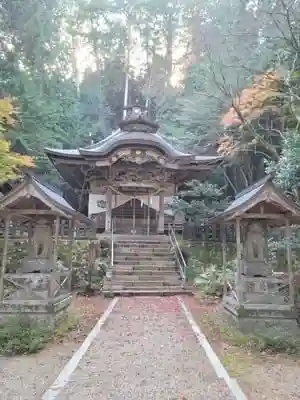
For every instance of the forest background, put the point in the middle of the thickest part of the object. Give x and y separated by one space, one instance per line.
218 76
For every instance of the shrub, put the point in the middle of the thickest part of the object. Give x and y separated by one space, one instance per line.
216 325
20 335
87 270
65 326
211 280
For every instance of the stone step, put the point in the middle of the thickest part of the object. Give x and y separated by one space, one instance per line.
146 251
141 244
128 266
147 254
146 274
159 249
141 238
147 292
137 266
144 283
143 257
142 241
143 260
158 276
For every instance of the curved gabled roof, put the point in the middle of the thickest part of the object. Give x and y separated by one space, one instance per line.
48 195
118 139
132 138
136 132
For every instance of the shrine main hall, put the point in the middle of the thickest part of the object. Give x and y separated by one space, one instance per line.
129 178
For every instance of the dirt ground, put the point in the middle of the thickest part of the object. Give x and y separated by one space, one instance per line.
27 377
262 376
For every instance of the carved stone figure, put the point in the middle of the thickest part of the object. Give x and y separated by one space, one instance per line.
40 253
42 240
255 251
255 245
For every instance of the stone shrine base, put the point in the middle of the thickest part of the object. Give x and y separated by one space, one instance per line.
44 311
265 319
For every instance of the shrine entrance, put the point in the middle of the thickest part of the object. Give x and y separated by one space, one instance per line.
131 176
135 217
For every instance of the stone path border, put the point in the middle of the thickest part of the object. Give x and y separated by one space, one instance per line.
64 376
211 355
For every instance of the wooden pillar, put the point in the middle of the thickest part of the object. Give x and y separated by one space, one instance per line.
72 225
161 215
4 256
56 236
108 214
288 237
133 216
224 257
239 261
148 215
30 236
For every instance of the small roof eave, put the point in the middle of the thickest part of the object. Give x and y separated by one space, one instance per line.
69 153
264 192
200 160
47 195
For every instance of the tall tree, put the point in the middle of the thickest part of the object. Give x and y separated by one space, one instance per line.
11 163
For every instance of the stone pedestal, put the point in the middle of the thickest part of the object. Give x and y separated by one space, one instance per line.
272 321
36 295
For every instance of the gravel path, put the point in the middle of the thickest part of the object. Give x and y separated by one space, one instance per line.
27 377
146 350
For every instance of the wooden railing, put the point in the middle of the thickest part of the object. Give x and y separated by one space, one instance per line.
20 231
207 233
112 248
270 285
249 287
37 287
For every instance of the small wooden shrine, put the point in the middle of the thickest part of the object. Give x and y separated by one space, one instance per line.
129 177
40 286
257 296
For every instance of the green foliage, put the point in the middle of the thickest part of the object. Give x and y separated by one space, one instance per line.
16 252
199 201
23 336
216 325
211 280
262 342
287 169
87 269
185 68
65 325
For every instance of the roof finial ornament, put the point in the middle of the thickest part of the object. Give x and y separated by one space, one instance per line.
135 112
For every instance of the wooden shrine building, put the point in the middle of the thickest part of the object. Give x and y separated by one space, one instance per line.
39 285
259 297
130 176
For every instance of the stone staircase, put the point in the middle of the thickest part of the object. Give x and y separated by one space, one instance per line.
144 265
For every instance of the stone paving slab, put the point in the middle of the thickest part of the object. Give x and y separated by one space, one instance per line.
146 351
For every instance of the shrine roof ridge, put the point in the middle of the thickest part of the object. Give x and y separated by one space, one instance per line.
52 193
120 138
117 139
262 191
265 179
46 193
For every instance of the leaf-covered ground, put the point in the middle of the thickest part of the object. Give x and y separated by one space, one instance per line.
27 377
262 375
